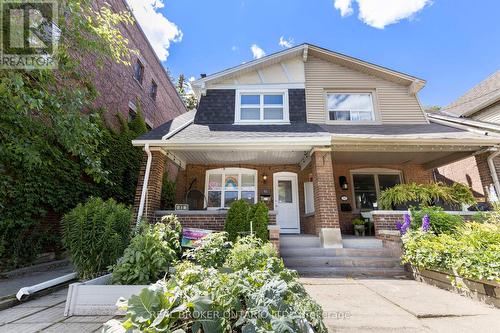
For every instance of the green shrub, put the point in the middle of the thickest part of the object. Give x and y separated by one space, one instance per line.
425 195
258 214
358 221
250 253
167 193
212 250
472 251
95 234
440 221
237 220
263 297
150 254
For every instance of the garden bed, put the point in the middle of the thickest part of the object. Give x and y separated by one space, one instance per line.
482 290
97 297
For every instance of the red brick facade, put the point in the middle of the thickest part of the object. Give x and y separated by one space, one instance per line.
153 195
465 171
325 197
117 87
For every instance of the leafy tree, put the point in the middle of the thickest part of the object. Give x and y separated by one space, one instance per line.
432 108
184 90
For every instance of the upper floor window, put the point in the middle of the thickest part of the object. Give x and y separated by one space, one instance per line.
262 107
225 186
153 89
139 71
350 107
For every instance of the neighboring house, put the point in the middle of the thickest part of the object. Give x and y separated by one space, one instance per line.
315 134
145 81
479 110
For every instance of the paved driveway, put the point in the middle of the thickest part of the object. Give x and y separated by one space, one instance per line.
396 305
362 305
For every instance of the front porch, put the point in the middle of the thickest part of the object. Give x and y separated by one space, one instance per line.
309 190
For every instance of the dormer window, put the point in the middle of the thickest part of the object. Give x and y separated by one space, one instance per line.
262 107
350 107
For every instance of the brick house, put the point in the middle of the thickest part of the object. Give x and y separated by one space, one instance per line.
313 133
145 81
479 110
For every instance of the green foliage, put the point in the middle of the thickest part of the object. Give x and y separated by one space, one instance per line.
184 90
167 193
95 234
212 250
53 156
358 221
441 222
472 251
263 297
251 253
237 219
425 195
258 214
149 255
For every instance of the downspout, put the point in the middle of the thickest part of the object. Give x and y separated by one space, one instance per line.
144 184
493 172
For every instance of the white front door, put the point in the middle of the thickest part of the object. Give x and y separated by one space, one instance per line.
286 202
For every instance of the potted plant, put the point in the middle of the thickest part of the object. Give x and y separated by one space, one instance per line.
359 226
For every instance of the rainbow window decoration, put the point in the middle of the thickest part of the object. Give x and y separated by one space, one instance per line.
225 186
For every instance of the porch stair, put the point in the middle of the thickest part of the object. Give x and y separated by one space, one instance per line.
360 257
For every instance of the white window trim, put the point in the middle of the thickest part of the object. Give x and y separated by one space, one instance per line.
308 199
223 172
373 172
261 92
375 108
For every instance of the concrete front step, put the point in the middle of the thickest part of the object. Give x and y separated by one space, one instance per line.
362 243
324 252
320 262
299 241
350 272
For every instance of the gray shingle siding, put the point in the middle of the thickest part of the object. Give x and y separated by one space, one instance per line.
297 105
216 107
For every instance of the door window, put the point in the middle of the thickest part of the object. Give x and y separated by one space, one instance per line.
285 191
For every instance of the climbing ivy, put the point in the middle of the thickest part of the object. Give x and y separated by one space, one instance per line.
53 156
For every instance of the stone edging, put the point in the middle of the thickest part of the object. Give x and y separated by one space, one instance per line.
482 290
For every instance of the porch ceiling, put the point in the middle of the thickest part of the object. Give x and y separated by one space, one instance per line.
241 157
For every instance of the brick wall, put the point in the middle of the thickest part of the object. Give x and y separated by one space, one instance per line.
325 197
117 86
153 196
411 173
464 171
484 171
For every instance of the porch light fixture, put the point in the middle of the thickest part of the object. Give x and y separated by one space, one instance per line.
264 178
343 183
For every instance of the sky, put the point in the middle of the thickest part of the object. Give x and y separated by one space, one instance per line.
452 44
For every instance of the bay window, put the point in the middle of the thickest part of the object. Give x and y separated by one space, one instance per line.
262 107
225 186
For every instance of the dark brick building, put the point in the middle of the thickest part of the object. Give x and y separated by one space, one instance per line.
144 81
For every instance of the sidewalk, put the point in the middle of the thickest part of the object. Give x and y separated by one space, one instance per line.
394 305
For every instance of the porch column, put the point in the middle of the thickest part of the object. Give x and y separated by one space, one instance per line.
154 186
326 215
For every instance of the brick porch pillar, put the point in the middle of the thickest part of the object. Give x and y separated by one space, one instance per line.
154 186
485 173
326 215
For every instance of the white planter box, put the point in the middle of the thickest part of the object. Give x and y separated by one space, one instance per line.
97 297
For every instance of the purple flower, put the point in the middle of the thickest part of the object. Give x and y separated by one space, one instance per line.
403 227
426 223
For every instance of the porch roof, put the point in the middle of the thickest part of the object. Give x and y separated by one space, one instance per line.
182 132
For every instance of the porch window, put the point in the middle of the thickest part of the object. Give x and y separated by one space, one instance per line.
357 107
262 107
368 185
225 186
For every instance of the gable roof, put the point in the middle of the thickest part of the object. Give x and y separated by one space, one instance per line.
480 96
305 50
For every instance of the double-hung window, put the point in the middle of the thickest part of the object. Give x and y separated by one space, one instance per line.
262 107
355 107
225 186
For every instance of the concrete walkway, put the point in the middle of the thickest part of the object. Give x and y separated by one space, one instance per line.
361 305
398 305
